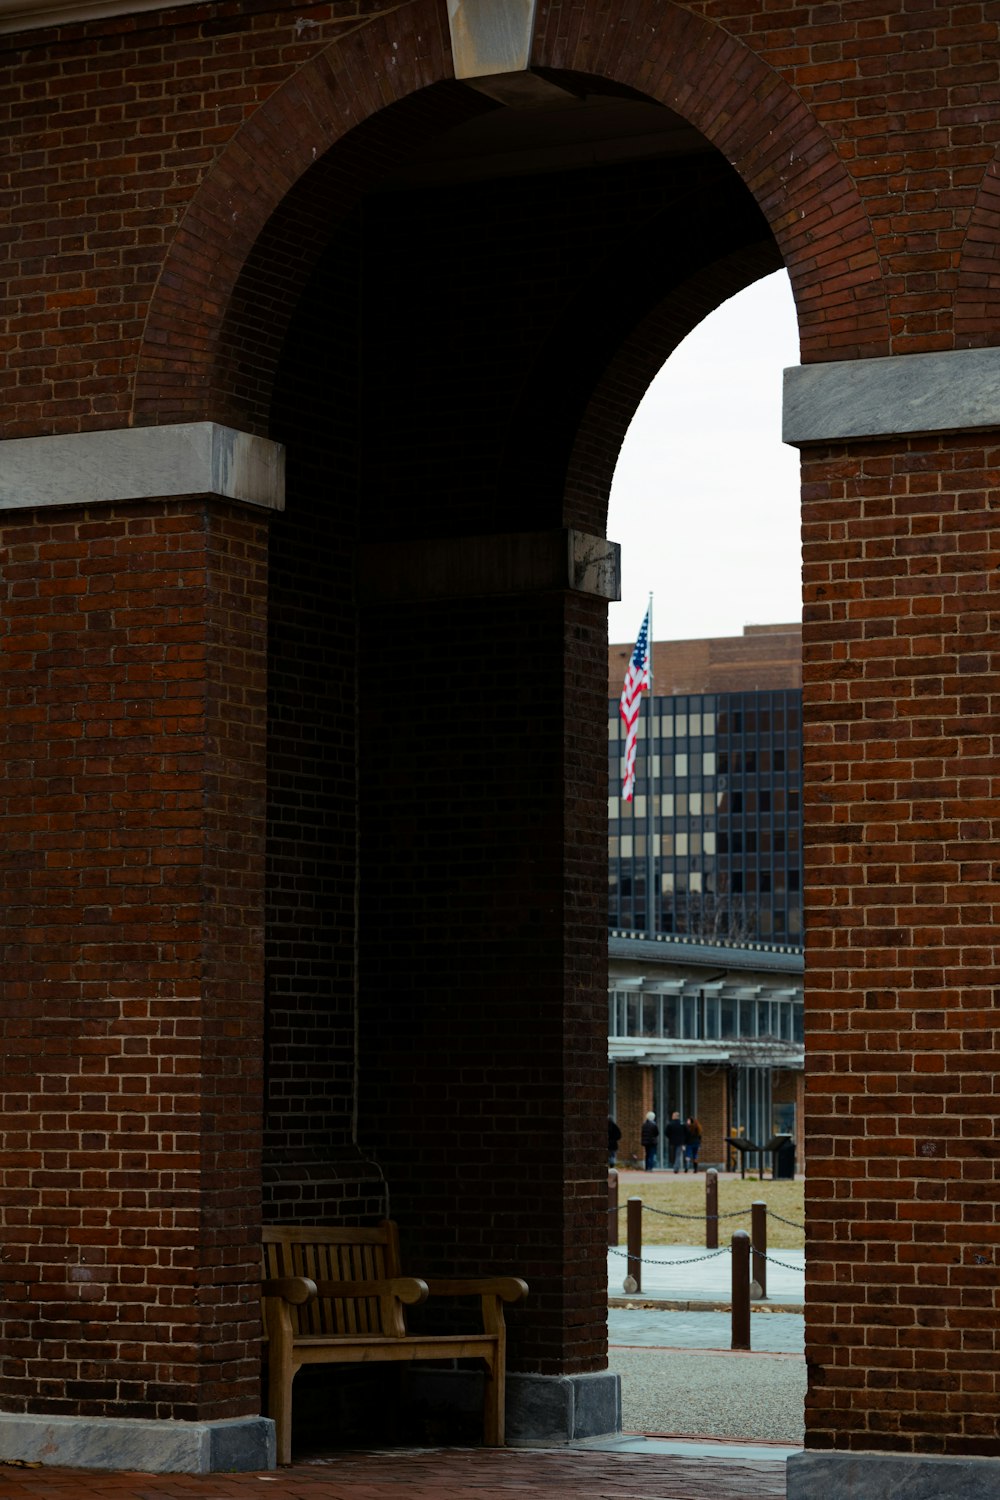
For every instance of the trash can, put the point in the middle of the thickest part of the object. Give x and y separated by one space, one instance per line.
784 1160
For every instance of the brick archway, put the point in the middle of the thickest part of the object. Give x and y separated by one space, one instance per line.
977 298
265 184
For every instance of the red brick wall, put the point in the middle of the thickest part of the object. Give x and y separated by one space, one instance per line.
757 659
634 1087
713 1113
132 722
901 553
114 127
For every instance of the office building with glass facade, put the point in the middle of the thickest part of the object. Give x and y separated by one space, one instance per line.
714 829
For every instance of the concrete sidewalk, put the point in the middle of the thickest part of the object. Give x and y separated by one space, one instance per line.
703 1328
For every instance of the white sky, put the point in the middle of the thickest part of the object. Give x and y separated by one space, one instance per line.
705 499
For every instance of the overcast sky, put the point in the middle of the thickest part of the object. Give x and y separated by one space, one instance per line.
705 500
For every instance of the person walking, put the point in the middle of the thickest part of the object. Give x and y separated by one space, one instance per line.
693 1143
650 1135
676 1133
614 1136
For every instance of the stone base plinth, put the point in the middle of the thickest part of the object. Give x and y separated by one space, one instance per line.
891 1476
543 1411
235 1446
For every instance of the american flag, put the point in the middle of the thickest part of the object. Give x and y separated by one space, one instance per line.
636 678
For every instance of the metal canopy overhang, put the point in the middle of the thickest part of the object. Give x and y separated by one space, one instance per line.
665 965
656 1051
668 949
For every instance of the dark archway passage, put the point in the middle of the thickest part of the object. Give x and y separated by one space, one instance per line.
462 359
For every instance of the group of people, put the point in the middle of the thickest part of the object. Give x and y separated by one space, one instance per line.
682 1142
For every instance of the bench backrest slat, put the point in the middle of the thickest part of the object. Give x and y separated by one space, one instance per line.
326 1252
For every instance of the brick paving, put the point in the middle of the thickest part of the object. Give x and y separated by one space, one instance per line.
429 1474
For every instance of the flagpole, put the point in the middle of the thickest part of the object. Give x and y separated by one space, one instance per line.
652 903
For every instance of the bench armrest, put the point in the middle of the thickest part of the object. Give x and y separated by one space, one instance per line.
296 1289
507 1288
408 1289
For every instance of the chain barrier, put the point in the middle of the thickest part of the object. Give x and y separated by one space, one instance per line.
739 1213
794 1225
782 1263
666 1213
647 1260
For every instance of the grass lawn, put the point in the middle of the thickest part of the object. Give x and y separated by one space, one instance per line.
685 1195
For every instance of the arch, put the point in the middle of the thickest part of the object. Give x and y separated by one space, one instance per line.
279 158
977 297
603 351
769 135
599 436
267 166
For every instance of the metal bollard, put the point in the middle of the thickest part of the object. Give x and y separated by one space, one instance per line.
758 1235
741 1290
634 1241
612 1207
711 1209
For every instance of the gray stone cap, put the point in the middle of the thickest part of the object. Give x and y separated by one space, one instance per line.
141 463
909 394
814 1475
227 1445
490 36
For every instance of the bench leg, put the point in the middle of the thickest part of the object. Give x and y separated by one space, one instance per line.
494 1404
279 1408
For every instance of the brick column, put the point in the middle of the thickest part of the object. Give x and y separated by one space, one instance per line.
483 959
133 723
901 549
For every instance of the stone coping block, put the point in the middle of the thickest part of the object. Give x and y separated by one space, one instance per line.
891 1476
957 390
142 463
490 36
233 1445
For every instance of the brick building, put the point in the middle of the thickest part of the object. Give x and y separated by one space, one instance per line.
321 329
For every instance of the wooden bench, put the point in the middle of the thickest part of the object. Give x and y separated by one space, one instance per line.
336 1296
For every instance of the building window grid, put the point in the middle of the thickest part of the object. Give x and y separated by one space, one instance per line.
653 1016
692 878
